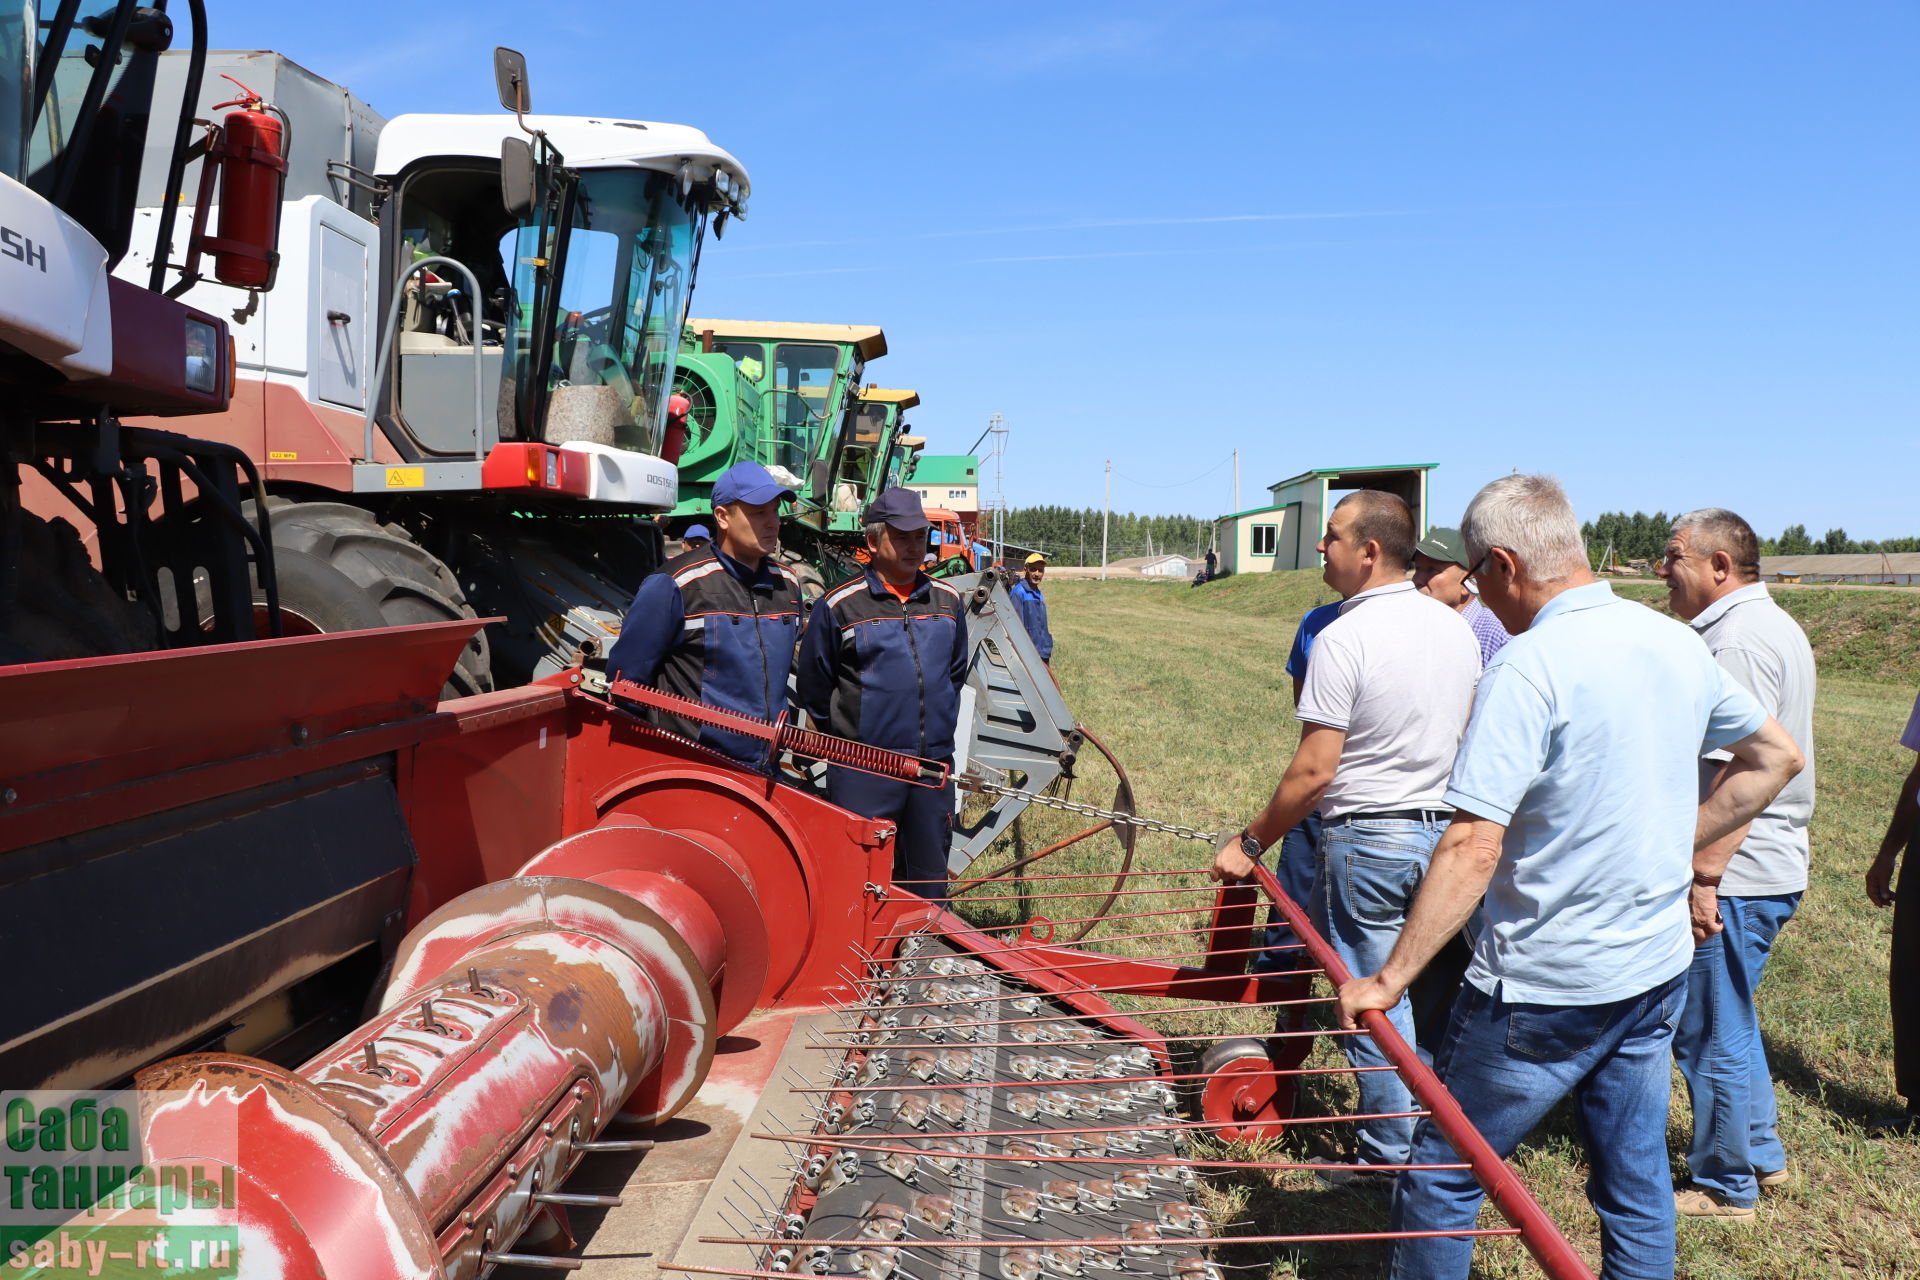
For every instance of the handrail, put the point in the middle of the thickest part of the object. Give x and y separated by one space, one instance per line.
1539 1232
379 386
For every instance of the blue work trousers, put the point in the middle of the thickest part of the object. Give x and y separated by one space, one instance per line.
922 816
1370 870
1297 869
1508 1065
1719 1053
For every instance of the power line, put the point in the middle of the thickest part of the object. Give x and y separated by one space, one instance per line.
1184 483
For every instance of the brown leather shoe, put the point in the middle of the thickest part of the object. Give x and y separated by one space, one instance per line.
1774 1178
1694 1202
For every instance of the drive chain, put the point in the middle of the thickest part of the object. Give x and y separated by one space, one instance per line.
1174 829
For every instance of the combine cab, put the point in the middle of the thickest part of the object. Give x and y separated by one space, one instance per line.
457 394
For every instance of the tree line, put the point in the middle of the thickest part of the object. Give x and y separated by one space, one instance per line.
1071 535
1644 537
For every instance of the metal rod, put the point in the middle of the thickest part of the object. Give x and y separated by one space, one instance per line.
1082 1017
881 1149
1556 1256
1032 858
1185 1126
1045 1044
1096 959
1097 893
1050 1082
575 1198
1086 991
532 1260
1171 1241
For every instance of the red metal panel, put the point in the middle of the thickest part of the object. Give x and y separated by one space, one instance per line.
131 734
487 796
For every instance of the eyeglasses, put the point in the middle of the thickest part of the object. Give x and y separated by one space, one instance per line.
1481 563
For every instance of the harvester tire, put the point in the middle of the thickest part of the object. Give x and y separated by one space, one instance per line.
65 607
812 585
380 577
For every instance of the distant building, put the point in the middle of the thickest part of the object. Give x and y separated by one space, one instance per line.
1897 568
950 480
1284 533
1168 566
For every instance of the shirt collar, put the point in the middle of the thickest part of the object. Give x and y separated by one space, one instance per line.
922 584
1391 588
1718 609
1574 599
757 577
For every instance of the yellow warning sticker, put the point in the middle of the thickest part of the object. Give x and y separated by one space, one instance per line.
406 477
281 455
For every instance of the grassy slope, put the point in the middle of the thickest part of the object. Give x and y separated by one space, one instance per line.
1186 685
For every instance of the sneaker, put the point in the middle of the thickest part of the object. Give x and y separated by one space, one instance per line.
1694 1202
1773 1178
1353 1178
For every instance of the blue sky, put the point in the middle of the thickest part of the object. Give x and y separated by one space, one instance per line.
1664 251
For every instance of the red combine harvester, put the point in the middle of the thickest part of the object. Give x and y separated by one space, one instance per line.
397 978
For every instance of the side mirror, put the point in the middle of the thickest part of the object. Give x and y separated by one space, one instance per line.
517 194
510 78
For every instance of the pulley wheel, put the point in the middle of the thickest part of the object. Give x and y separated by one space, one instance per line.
1242 1093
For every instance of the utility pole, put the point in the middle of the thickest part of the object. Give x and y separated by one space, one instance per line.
1236 479
1083 537
996 426
1106 517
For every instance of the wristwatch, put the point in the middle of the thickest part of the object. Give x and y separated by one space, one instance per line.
1250 846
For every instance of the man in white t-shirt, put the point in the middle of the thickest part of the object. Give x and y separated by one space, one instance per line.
1386 696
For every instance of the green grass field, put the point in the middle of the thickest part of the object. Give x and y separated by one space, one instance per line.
1186 685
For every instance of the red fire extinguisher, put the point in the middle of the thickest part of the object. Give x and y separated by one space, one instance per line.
253 177
678 407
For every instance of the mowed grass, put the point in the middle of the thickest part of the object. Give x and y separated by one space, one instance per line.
1186 685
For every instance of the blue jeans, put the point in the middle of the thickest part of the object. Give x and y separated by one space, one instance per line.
1719 1053
1370 870
1508 1065
1297 869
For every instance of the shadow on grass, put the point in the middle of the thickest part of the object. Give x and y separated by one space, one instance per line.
1847 1101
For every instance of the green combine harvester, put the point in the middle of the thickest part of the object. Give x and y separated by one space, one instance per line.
787 395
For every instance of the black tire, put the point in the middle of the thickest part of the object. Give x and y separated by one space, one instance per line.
63 606
401 582
812 585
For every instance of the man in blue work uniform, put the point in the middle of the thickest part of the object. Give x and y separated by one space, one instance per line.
882 662
1032 606
718 624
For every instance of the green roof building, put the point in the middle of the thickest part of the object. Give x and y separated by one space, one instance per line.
1284 533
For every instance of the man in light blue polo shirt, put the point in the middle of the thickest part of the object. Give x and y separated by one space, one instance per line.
1578 818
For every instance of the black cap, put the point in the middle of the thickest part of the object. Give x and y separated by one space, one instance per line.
898 508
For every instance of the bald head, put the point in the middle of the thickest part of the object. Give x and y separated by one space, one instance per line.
1380 517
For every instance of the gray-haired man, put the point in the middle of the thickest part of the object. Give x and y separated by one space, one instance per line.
1712 568
1579 820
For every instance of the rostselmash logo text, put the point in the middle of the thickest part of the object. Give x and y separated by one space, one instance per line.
21 248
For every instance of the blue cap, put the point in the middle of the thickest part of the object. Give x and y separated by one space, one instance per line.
898 508
696 531
747 482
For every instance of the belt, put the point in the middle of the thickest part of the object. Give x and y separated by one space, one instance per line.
1395 815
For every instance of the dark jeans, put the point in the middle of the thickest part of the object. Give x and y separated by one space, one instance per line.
923 816
1903 976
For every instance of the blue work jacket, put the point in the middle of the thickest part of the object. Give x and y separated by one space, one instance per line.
884 671
1032 608
709 628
